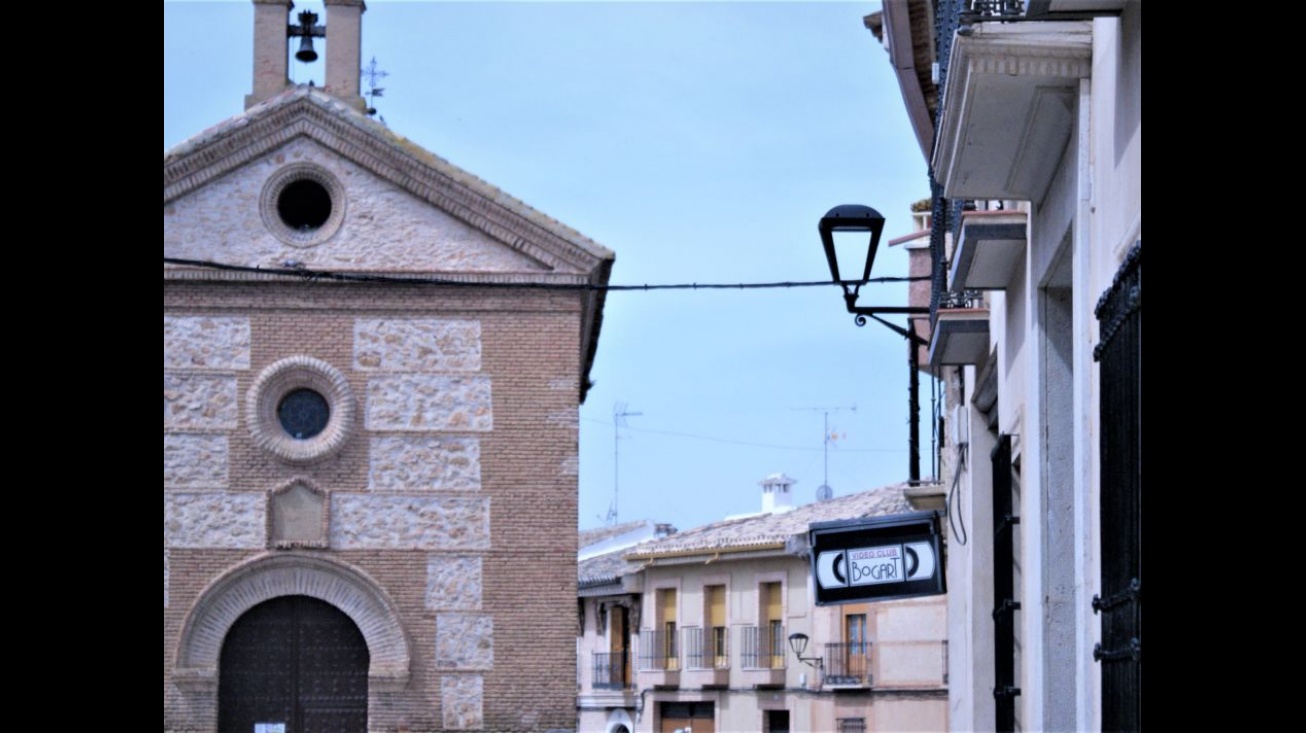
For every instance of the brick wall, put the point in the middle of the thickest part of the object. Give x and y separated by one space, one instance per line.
455 490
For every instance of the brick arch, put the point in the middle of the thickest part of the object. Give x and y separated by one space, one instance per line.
283 574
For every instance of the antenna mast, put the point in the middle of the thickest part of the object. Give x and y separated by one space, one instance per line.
619 415
824 491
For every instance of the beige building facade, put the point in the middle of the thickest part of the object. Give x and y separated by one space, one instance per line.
706 613
372 361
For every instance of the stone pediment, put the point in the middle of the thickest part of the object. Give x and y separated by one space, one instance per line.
393 207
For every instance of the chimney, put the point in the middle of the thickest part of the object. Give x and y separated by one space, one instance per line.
344 57
777 493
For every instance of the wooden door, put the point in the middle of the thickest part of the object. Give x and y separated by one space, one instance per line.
687 717
294 660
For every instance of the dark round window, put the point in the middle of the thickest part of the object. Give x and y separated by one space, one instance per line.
304 205
303 413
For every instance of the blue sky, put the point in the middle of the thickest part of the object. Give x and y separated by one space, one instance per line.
701 142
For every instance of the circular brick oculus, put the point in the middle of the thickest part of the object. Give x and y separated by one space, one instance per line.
301 410
302 204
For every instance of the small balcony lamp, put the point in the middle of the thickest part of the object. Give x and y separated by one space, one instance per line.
798 643
858 218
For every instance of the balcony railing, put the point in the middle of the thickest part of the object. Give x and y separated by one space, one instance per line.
992 9
657 650
612 671
707 648
962 299
848 664
763 647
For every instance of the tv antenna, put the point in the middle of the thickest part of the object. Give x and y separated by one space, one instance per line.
619 415
824 492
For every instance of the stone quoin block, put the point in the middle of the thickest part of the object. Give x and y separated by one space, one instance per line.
409 522
417 345
461 699
202 342
453 583
429 402
425 462
195 461
570 466
214 519
199 402
464 641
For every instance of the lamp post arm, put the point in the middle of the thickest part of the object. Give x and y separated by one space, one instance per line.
912 337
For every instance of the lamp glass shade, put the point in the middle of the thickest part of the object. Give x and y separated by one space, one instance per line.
798 643
850 235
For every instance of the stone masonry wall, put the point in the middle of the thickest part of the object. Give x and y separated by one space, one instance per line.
384 227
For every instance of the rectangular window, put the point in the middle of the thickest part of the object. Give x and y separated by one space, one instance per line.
854 633
667 622
772 602
714 598
850 725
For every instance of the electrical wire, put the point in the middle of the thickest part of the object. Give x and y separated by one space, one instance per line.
308 274
955 518
746 443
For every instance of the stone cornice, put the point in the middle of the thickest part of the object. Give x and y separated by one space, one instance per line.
559 279
1063 50
303 112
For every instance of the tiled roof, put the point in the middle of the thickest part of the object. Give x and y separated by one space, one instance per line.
594 536
603 569
769 529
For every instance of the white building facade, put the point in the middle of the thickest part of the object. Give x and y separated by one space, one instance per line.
1030 115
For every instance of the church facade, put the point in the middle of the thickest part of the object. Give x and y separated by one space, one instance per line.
373 364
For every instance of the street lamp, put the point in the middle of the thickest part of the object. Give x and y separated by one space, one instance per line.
864 219
857 218
798 643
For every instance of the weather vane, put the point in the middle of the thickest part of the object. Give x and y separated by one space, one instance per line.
373 75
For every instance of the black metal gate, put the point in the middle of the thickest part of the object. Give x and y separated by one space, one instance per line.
294 660
1120 353
1005 604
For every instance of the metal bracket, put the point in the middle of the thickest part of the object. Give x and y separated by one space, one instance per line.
1134 652
1132 594
1005 607
1007 522
1005 691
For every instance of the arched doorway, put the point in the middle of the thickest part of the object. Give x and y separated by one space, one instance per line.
295 660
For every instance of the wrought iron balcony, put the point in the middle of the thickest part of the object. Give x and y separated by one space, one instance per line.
992 9
657 650
848 664
962 299
612 671
1005 10
763 647
707 648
